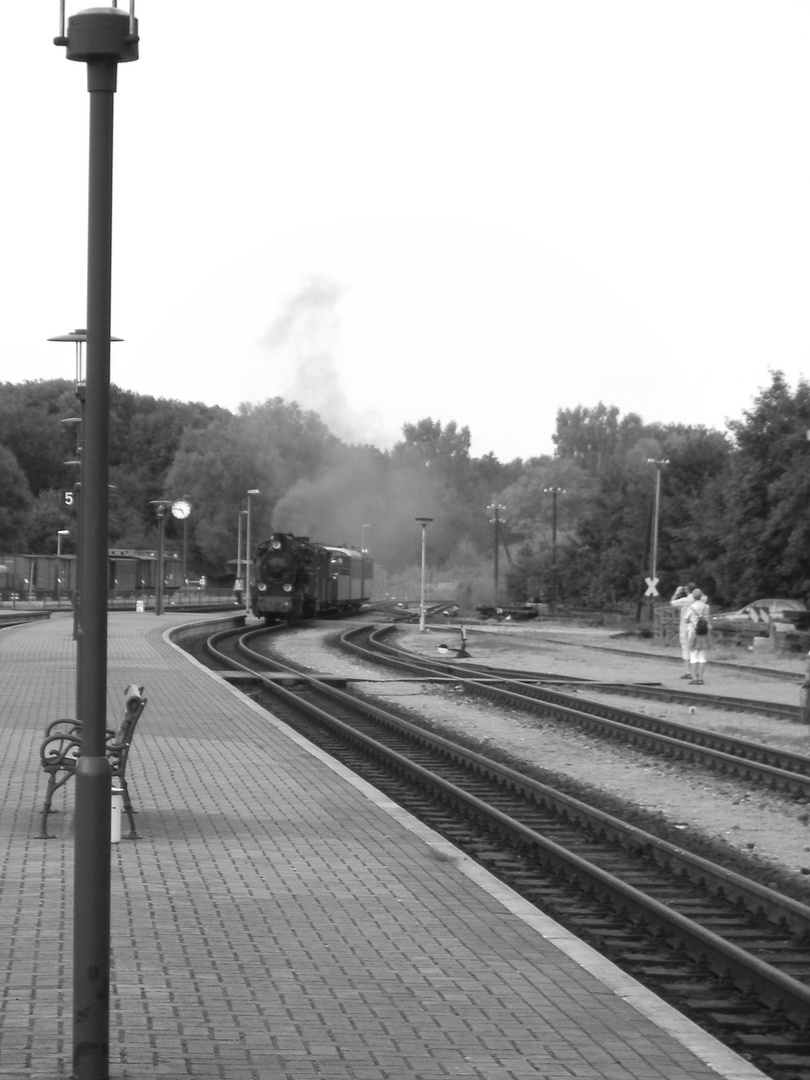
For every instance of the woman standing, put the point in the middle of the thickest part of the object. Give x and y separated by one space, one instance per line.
683 599
698 622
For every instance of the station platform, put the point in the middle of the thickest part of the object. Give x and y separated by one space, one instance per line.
280 919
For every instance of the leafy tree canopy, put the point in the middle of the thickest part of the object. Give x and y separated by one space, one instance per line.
266 447
15 503
731 513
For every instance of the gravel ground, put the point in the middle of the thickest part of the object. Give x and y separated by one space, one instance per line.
772 830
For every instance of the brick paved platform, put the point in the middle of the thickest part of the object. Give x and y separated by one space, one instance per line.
280 918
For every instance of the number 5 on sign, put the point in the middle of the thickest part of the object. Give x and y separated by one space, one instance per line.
69 500
651 589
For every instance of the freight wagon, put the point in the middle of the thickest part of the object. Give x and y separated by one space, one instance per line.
49 577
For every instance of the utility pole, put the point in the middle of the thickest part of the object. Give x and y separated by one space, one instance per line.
424 522
554 492
252 491
495 509
652 581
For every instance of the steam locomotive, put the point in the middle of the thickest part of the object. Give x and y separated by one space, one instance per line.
293 578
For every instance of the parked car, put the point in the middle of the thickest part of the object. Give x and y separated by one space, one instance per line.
758 616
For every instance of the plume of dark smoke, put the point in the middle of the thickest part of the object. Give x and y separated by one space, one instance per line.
363 489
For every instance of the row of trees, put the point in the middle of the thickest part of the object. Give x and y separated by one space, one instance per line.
732 510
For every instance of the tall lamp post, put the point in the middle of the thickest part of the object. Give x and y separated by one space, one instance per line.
652 580
424 522
239 583
161 505
59 535
101 38
251 491
554 492
495 509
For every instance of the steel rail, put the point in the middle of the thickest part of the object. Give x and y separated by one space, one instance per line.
782 991
744 758
648 690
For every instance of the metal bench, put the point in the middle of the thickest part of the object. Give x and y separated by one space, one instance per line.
62 745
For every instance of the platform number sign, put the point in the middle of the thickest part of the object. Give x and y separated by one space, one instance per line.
69 498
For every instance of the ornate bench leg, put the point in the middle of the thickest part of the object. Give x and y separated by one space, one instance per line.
133 833
46 809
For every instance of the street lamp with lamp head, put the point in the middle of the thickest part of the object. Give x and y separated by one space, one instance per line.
78 337
60 533
102 38
251 491
424 522
238 583
495 509
77 422
554 492
161 505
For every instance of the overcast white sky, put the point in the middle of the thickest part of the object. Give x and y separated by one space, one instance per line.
476 211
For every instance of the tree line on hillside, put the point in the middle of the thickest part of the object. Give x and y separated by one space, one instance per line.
731 512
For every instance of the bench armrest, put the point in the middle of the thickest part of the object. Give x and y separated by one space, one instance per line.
115 748
65 725
60 751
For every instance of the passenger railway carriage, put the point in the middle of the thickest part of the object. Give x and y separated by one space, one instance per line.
293 578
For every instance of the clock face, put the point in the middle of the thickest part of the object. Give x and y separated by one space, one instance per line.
181 509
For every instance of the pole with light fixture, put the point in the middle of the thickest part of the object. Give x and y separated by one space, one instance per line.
59 535
424 522
554 492
363 551
495 509
161 506
238 583
252 491
101 38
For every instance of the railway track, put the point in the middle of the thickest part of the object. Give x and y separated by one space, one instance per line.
649 691
731 953
529 691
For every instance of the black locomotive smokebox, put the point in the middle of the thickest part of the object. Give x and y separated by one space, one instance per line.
101 34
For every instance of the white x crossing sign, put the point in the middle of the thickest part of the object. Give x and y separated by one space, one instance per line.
651 589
